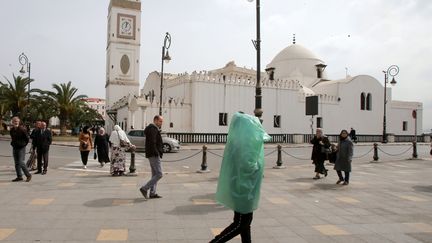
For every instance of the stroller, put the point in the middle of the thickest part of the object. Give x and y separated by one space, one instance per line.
31 162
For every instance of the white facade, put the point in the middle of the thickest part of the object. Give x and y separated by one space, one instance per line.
192 102
97 104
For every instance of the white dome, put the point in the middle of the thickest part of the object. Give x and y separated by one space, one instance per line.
297 62
294 52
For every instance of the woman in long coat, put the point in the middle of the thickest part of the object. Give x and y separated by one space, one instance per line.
101 144
118 153
344 157
320 145
85 139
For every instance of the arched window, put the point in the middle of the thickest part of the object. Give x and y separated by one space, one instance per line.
362 101
369 102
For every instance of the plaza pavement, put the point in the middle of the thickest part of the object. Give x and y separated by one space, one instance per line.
387 201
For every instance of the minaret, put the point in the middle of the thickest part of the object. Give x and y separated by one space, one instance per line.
123 50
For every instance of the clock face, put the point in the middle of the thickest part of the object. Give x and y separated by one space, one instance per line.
126 26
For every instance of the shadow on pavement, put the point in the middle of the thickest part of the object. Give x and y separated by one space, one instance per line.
201 205
328 186
112 202
423 188
301 179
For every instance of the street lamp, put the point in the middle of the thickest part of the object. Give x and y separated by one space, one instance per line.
257 43
393 70
25 67
165 58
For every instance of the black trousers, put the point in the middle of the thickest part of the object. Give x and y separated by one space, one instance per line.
319 166
42 154
241 225
341 178
84 156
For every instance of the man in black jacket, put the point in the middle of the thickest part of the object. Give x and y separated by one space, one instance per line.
154 152
42 141
19 142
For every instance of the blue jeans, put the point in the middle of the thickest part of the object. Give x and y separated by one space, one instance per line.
20 166
156 170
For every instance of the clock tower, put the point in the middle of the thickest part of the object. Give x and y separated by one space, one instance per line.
123 50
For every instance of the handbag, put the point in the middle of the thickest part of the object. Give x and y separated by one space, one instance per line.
95 155
123 143
325 150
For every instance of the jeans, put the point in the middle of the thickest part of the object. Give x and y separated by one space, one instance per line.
156 170
20 166
241 225
347 175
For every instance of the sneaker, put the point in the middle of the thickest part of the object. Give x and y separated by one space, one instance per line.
17 179
155 196
85 167
29 178
144 193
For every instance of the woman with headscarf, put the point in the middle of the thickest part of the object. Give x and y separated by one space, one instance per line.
118 154
85 139
101 144
344 157
241 175
321 145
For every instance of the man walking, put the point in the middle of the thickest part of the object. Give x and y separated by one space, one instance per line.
42 141
19 142
154 152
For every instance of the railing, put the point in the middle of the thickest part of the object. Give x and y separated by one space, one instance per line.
283 138
408 138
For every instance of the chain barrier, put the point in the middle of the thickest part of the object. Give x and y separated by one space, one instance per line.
215 154
177 160
270 153
295 157
395 154
364 155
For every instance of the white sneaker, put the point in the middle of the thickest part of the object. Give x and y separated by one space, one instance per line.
85 166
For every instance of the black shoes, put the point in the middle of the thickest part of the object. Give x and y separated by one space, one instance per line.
29 178
325 173
44 172
17 179
155 196
144 193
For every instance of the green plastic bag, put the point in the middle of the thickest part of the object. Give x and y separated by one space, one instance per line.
242 166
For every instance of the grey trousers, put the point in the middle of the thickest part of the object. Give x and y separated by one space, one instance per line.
156 170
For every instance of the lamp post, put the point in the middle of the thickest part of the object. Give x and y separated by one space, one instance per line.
25 67
166 58
393 70
257 43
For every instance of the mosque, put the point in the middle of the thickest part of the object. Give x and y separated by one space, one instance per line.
205 101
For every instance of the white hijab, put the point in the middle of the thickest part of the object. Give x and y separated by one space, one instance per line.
116 134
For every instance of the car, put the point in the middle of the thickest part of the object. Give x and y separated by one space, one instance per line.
137 138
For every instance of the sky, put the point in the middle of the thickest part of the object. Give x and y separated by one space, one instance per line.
66 40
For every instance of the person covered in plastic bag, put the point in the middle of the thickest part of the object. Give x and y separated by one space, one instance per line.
241 174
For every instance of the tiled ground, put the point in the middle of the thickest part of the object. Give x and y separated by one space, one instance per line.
385 202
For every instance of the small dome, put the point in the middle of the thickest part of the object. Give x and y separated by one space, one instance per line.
294 52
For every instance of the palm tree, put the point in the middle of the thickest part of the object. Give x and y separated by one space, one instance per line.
66 102
15 95
42 107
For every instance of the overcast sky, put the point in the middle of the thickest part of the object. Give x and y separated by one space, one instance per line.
66 40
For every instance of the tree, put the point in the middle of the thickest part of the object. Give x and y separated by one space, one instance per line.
42 107
15 95
66 102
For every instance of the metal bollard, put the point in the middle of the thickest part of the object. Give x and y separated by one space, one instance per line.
132 169
279 159
204 162
414 155
375 156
